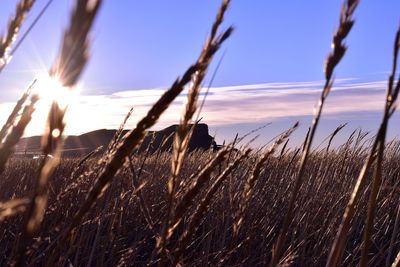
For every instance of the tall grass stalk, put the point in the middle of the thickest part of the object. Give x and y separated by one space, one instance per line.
14 25
201 208
13 129
337 53
16 111
135 136
376 154
257 171
67 69
8 146
184 131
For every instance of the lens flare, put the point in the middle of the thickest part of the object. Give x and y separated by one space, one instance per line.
50 89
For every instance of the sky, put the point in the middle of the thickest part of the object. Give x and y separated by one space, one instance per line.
271 72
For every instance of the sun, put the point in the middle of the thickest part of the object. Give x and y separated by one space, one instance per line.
50 89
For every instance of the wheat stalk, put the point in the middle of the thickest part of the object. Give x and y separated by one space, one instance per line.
376 153
14 114
396 262
14 25
184 131
118 135
330 137
67 69
93 169
12 207
337 53
134 137
257 171
394 236
144 207
198 182
16 132
195 219
335 132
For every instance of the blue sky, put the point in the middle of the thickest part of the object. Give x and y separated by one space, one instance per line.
140 47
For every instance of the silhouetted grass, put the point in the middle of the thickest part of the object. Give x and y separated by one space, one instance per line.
239 206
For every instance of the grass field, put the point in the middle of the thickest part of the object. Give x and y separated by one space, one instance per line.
238 206
117 230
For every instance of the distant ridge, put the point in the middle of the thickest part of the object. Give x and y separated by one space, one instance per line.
78 145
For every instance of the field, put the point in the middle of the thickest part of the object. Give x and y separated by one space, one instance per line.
123 225
238 205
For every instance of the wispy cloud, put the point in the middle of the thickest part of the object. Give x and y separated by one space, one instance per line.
224 105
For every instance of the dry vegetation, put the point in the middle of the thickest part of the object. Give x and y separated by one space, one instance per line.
272 206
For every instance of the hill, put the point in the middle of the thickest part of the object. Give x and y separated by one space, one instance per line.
78 145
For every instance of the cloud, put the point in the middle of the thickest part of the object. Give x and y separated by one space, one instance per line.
224 106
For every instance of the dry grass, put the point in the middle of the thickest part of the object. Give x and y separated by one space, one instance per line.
14 25
122 230
236 207
67 69
337 53
376 154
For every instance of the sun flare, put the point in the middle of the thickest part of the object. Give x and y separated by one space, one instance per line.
50 89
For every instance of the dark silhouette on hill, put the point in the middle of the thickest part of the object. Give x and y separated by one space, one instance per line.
78 145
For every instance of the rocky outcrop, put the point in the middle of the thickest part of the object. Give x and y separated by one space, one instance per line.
164 139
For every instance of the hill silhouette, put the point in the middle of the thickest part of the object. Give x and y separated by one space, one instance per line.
78 145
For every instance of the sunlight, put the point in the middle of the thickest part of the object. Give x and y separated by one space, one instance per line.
50 89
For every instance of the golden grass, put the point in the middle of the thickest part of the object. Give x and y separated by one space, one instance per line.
259 168
67 69
123 227
235 207
15 126
184 131
14 25
376 154
337 53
